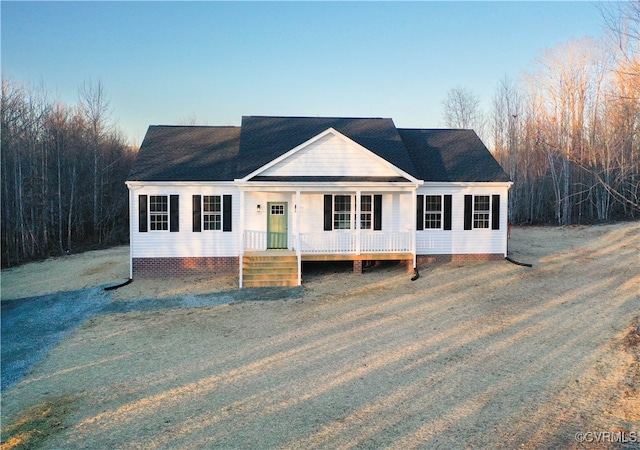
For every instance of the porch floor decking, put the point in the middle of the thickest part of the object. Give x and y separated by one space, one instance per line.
356 257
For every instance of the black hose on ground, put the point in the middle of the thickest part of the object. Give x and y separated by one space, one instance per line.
112 288
416 276
518 263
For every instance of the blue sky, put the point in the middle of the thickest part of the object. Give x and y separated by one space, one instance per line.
168 62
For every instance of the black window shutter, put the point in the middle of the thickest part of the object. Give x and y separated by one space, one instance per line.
420 213
226 213
328 209
142 213
447 212
377 212
197 217
174 213
468 212
495 212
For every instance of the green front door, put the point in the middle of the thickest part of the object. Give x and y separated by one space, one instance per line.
277 225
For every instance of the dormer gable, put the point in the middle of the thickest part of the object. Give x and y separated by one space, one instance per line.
330 154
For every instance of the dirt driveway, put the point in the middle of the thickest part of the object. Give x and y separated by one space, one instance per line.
482 355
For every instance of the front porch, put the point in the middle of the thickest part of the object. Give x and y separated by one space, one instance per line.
264 266
367 222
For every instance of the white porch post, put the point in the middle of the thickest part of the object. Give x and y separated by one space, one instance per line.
298 210
241 249
414 238
131 229
357 224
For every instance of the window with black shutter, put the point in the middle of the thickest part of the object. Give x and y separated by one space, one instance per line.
447 211
420 212
495 212
142 214
174 213
197 213
226 213
377 212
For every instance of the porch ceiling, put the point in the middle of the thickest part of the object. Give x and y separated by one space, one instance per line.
331 179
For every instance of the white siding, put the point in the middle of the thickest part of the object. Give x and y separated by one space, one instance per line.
397 214
330 156
185 242
458 240
257 221
311 213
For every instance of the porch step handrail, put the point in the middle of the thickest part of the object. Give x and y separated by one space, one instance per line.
255 240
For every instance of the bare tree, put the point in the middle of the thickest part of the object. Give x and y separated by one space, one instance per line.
51 155
622 20
462 109
191 119
506 126
95 108
569 135
568 85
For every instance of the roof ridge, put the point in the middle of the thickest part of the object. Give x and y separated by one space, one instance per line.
436 129
194 126
318 117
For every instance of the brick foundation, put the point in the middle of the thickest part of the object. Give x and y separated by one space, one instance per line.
168 267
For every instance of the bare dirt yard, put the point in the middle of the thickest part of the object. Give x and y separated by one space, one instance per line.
470 355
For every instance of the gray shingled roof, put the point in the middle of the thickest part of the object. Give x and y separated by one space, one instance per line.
266 138
187 153
204 153
451 155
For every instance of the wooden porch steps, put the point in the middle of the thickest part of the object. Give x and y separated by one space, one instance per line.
264 269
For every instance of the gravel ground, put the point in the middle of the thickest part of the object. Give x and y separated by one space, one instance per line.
32 326
482 355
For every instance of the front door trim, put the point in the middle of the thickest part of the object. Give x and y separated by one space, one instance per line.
277 225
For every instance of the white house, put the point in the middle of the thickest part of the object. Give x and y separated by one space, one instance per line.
261 198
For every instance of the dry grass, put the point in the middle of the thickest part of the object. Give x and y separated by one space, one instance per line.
34 426
482 355
66 273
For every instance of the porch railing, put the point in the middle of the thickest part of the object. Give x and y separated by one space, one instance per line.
347 242
255 240
329 242
386 242
338 242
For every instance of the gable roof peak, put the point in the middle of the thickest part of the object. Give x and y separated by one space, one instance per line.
265 138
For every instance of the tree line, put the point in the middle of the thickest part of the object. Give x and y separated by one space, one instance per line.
63 170
568 132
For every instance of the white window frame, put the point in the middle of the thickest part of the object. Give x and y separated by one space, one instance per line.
433 217
211 219
366 215
342 217
158 215
481 217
